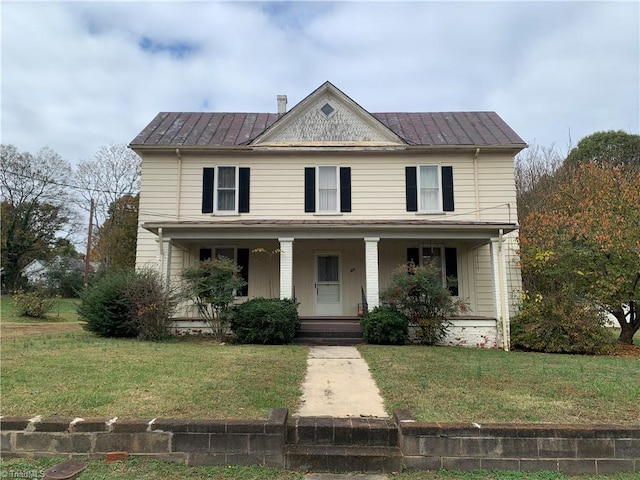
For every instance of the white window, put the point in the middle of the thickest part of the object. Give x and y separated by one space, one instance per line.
435 255
226 193
225 252
328 188
429 188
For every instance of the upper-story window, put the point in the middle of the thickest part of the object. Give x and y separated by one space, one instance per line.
225 190
328 186
429 189
429 185
327 189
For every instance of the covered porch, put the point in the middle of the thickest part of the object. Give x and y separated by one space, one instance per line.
337 268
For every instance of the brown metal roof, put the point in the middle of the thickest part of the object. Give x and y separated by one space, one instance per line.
193 129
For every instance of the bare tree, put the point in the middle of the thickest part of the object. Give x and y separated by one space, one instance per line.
35 206
113 172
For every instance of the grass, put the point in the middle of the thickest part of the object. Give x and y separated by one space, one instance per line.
448 384
64 311
77 373
136 468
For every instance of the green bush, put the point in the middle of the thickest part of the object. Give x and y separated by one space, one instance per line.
557 324
105 308
265 321
419 293
35 304
127 304
385 325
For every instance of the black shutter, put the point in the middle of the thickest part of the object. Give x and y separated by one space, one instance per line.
243 199
310 189
243 262
411 182
345 189
205 254
413 255
447 189
207 190
451 269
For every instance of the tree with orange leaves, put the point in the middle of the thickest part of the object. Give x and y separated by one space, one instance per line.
588 238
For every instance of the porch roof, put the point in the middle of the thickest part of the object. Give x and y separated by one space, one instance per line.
329 229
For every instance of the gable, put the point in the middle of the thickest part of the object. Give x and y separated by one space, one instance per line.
328 117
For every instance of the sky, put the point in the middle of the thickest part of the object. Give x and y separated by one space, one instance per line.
77 75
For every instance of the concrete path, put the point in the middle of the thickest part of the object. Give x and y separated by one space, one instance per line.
339 384
345 476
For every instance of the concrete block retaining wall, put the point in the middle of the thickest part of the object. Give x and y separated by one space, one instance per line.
572 449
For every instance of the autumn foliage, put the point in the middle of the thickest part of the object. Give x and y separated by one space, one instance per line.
585 244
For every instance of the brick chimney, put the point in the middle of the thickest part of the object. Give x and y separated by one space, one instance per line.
282 104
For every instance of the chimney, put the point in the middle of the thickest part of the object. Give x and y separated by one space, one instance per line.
282 104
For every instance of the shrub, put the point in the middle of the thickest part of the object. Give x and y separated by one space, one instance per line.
212 285
105 307
35 304
385 326
152 305
128 304
265 321
557 324
419 293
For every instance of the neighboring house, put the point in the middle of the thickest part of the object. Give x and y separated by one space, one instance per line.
35 272
324 201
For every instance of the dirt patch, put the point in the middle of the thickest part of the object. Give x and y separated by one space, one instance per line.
622 350
10 330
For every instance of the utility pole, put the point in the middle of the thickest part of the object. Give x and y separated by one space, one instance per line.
89 241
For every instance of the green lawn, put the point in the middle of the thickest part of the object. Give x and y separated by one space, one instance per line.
77 373
447 384
136 468
64 311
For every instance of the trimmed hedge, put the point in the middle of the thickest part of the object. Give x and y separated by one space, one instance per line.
385 325
265 321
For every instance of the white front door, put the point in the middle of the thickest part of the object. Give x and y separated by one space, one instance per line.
328 289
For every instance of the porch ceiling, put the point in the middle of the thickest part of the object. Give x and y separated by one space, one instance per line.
329 229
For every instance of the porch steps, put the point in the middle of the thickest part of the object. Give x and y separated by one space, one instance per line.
326 444
329 331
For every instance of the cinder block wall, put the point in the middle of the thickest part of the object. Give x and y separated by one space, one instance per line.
571 449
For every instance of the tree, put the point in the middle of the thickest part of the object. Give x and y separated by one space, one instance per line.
113 172
587 238
612 147
115 239
536 174
35 206
212 286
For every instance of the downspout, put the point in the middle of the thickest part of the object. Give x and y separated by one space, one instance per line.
503 302
475 183
178 192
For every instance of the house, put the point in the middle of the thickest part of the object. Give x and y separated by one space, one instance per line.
35 272
322 202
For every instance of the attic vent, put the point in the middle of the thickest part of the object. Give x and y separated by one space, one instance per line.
327 109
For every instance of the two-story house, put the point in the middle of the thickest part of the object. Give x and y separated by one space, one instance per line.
322 203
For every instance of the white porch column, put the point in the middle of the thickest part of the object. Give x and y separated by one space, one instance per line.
164 260
371 268
498 265
286 267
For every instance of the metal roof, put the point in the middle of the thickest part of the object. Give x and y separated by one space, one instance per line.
201 129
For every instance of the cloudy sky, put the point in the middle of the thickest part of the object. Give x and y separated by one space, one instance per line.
77 75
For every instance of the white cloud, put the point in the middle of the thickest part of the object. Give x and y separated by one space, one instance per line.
76 75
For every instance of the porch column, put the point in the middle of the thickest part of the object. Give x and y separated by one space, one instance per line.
286 267
371 268
500 290
164 258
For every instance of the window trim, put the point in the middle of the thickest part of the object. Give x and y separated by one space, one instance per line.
318 210
421 208
217 177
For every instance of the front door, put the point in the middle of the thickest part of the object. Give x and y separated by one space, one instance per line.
328 289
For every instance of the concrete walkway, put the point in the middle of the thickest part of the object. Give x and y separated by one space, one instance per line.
338 384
